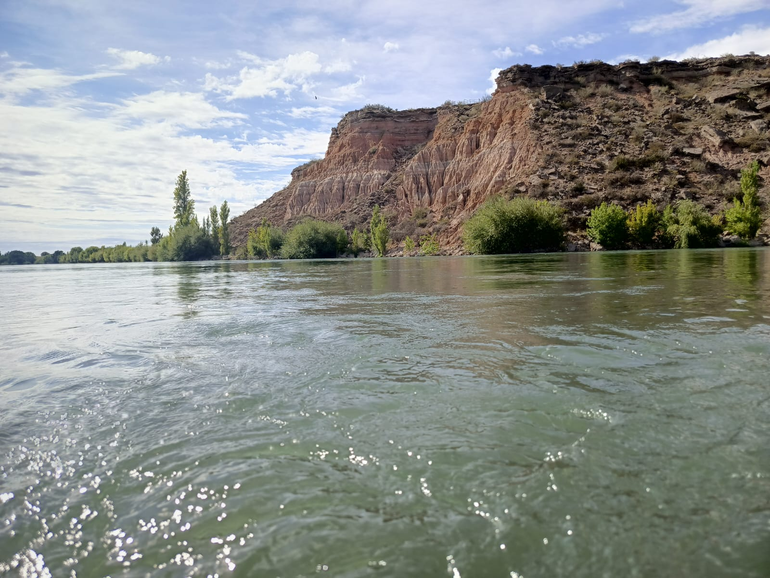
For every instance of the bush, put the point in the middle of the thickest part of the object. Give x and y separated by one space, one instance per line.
744 218
689 226
187 243
265 242
408 245
608 226
359 242
643 224
519 225
313 239
429 244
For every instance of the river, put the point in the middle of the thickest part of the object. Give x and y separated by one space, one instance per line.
580 415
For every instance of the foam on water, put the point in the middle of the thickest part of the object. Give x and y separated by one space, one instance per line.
550 415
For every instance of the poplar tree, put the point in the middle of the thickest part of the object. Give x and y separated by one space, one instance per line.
184 205
214 217
224 231
378 228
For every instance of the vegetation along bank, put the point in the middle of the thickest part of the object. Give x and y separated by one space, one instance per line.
660 154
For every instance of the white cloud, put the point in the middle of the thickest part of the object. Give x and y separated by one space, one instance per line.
4 54
77 178
337 66
505 53
493 77
21 80
214 65
131 59
313 112
698 12
579 41
268 77
347 92
749 39
184 109
390 46
534 49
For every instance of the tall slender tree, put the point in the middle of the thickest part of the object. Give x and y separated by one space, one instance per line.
224 229
184 205
155 235
214 217
378 228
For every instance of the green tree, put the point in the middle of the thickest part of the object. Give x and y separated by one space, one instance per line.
429 244
184 205
74 255
689 226
214 217
269 239
643 223
224 229
359 242
187 243
378 228
608 226
313 239
155 235
408 245
750 182
252 245
744 218
519 225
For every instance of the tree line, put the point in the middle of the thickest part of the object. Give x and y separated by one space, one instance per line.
499 226
523 224
188 239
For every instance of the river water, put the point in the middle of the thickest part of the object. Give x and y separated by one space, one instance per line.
581 415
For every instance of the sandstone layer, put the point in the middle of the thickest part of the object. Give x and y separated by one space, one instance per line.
575 135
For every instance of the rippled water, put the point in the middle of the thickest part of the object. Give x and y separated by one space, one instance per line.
535 416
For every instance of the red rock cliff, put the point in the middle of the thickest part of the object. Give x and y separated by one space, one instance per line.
547 132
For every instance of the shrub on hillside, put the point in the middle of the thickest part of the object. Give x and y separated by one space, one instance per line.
312 239
689 226
519 225
608 226
643 224
744 218
429 245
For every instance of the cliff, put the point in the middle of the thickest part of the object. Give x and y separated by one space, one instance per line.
575 135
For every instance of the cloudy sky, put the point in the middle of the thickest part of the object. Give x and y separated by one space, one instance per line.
102 104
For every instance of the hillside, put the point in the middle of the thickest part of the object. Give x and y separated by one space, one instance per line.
576 135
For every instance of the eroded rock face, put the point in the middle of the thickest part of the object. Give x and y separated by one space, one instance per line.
448 159
363 152
548 132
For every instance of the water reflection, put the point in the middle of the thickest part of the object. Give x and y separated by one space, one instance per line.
406 415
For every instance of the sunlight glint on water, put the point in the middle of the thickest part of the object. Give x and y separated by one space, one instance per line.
547 415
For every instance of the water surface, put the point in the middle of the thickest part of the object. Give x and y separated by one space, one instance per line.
532 416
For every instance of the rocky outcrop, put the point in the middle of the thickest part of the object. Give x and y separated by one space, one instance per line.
685 129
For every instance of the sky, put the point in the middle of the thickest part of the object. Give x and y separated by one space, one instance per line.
103 104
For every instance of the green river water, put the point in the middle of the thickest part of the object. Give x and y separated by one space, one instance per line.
577 415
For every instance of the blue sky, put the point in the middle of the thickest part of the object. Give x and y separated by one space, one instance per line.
102 104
